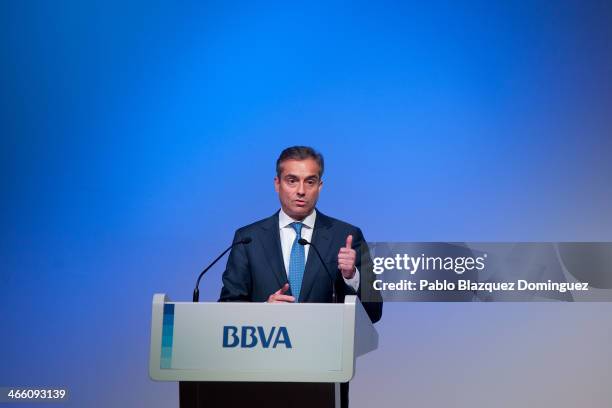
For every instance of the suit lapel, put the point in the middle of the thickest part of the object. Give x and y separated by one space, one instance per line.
272 249
321 238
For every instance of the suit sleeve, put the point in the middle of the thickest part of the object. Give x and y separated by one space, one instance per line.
237 281
370 298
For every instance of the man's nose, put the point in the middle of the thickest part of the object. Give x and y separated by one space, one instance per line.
301 189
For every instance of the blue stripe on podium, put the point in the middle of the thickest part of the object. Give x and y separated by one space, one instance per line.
167 332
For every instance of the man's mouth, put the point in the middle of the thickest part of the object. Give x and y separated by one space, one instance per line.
300 202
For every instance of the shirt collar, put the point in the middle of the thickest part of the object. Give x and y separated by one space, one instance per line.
284 220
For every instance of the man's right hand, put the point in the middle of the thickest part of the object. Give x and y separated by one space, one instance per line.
280 297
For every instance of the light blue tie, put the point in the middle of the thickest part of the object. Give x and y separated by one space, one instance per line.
296 262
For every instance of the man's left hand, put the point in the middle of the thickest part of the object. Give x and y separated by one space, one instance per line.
346 259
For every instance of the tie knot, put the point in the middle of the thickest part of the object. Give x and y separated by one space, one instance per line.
297 226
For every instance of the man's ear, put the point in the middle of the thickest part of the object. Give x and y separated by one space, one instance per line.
276 183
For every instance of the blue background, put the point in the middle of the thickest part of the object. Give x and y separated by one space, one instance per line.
136 137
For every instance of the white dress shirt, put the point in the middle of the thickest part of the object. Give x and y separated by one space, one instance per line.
287 236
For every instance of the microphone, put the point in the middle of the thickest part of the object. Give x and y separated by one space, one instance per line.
302 241
196 291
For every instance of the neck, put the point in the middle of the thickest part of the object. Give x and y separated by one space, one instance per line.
296 218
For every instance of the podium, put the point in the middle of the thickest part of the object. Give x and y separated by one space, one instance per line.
250 354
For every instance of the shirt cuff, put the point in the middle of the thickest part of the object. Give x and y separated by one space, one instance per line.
354 281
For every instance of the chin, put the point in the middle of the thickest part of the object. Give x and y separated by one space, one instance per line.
301 212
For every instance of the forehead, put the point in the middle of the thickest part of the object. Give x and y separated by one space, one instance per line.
305 168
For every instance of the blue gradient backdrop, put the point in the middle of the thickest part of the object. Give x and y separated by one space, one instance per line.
137 136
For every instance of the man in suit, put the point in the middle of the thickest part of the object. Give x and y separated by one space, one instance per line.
275 268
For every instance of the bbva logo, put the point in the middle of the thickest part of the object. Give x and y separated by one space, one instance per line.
251 336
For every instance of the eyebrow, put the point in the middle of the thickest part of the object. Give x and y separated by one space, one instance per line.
311 177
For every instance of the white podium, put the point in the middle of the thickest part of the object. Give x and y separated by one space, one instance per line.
241 342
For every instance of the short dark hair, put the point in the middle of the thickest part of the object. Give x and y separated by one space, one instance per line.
299 153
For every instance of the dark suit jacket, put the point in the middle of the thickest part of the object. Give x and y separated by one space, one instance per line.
256 270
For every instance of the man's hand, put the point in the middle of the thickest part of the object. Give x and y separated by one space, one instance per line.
346 259
280 297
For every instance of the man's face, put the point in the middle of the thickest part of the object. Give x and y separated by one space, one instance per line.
298 187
